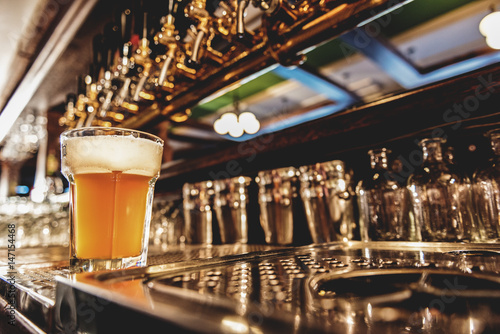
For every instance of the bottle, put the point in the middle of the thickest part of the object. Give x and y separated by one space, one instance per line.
486 192
440 197
383 202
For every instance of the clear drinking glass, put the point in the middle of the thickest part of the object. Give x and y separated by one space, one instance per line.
383 202
231 197
486 191
197 202
440 197
327 194
112 173
277 190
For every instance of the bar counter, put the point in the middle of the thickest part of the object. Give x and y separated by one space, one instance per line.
354 287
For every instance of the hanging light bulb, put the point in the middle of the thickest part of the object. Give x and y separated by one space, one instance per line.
490 24
490 29
225 123
236 126
236 130
493 41
220 127
249 122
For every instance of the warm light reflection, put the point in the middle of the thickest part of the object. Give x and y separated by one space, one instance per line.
233 324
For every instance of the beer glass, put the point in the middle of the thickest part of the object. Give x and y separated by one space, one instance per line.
197 203
440 195
383 202
112 173
277 190
231 197
327 195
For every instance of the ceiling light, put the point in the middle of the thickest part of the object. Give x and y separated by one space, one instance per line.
236 130
493 42
490 28
235 126
249 122
490 24
235 123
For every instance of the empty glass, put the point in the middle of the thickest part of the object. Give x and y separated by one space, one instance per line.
441 197
231 197
326 191
486 191
277 189
167 225
197 203
383 202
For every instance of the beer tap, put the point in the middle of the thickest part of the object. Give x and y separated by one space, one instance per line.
81 102
267 6
168 36
124 63
197 10
240 24
141 57
231 25
68 119
92 103
111 42
92 80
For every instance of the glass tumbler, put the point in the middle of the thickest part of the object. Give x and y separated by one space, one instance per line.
277 190
197 201
383 202
440 198
327 195
112 172
486 192
230 205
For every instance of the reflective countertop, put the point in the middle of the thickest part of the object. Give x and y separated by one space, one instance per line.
355 287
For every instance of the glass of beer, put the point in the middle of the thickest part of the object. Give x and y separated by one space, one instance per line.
112 173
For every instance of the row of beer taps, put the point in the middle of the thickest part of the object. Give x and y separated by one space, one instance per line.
149 51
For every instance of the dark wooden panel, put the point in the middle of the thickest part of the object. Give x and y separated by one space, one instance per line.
463 106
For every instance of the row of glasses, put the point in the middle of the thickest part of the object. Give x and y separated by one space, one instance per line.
228 198
438 202
486 192
325 190
433 204
35 224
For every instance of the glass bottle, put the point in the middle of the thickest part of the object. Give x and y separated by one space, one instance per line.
486 192
383 202
440 197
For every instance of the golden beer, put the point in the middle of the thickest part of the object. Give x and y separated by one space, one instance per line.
112 174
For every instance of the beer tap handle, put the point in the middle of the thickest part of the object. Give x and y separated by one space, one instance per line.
268 6
123 93
126 22
143 58
193 61
197 11
240 22
106 105
165 67
168 36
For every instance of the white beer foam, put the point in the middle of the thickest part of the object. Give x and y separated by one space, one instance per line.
103 154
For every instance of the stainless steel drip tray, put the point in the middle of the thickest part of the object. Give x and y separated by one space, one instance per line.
387 287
